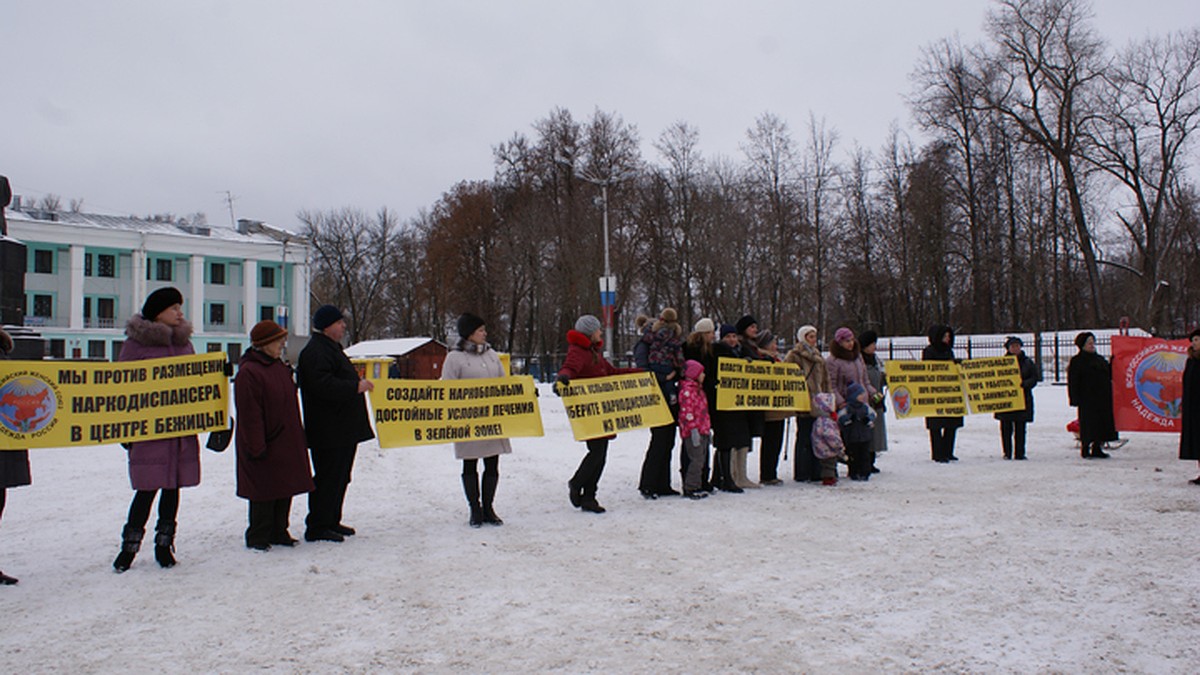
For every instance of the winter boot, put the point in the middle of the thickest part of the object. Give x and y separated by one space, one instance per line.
471 488
490 480
590 504
164 544
740 457
724 460
131 542
6 580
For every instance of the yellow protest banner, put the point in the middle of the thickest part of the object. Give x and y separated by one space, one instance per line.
603 406
429 412
53 404
760 385
993 385
926 388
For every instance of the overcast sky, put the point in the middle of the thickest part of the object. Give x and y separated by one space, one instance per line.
145 106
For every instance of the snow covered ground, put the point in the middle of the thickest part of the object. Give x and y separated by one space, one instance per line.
1052 565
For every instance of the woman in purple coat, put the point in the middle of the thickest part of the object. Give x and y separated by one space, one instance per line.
165 464
272 455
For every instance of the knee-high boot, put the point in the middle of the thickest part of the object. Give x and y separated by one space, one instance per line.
740 457
470 483
490 481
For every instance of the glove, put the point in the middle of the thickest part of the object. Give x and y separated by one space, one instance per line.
563 381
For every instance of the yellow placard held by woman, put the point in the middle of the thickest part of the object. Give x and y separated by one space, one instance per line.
602 406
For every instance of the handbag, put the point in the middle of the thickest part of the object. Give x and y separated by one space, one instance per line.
219 440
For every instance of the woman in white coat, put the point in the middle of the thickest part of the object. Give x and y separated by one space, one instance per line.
473 358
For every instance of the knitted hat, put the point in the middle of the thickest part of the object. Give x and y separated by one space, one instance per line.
160 300
692 369
266 332
1194 333
854 391
765 338
744 323
805 330
867 338
468 323
326 316
1013 340
587 324
1082 338
704 325
843 333
726 329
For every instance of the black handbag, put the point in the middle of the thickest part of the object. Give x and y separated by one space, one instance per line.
219 440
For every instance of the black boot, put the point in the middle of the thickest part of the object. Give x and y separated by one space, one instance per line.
131 542
725 467
490 481
590 504
471 488
6 580
164 544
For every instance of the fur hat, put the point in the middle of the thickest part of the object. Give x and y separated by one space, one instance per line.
726 329
266 332
867 338
160 300
842 334
1082 338
692 369
669 315
587 324
468 323
744 323
805 330
705 325
1013 340
326 316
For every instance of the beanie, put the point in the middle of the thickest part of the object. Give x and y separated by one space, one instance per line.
704 325
805 330
726 329
1082 338
468 323
1013 340
326 316
854 391
843 333
160 300
765 338
692 369
867 338
266 332
587 324
744 323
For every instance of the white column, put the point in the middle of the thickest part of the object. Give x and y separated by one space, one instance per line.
299 311
196 302
249 294
75 318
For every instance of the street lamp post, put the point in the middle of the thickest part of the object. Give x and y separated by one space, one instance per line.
608 289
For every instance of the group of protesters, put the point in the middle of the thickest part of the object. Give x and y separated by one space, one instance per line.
845 422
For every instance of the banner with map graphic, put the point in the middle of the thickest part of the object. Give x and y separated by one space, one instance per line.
55 404
1147 376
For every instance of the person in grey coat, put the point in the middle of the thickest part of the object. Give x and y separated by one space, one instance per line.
14 464
474 358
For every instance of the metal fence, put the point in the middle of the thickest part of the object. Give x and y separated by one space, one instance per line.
1051 351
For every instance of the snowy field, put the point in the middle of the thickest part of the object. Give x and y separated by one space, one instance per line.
1051 565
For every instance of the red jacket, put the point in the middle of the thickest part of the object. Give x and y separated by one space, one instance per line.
586 359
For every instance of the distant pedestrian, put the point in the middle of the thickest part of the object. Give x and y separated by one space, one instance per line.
806 466
941 429
1189 418
699 348
695 427
877 377
473 358
1089 388
774 421
14 464
856 420
663 342
1013 422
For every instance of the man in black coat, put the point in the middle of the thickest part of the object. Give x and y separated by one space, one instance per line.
335 422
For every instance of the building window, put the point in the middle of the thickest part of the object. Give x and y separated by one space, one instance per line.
106 311
266 313
58 348
267 274
163 269
96 349
234 351
211 347
106 265
216 314
87 264
43 261
43 306
216 274
116 349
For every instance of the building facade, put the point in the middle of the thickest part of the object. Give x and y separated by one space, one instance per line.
86 274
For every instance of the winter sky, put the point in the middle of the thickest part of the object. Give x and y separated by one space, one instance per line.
143 106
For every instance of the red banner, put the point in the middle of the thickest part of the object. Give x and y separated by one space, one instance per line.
1147 383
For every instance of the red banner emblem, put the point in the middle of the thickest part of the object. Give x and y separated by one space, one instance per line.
1147 383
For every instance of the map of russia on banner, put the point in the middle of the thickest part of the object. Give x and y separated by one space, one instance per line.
431 412
1147 381
54 404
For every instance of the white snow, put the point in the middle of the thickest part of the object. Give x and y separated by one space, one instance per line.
1056 564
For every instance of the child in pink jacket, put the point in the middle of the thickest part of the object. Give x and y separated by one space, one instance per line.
694 427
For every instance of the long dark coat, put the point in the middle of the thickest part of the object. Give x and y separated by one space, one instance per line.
1089 388
272 458
937 350
14 464
335 414
1029 379
165 463
1189 427
732 428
